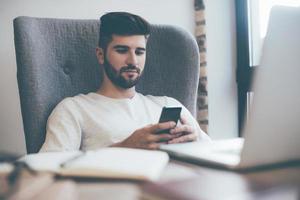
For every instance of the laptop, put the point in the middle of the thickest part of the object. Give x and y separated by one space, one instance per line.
272 131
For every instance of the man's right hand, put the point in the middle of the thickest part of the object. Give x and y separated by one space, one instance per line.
147 137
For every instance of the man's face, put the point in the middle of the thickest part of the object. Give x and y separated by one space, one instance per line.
124 60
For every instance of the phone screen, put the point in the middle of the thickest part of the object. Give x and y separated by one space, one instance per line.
169 114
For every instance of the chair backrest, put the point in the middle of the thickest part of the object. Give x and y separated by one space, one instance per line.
56 59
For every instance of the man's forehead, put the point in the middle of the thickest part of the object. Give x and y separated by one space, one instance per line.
130 41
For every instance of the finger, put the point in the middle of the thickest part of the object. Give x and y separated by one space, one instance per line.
181 139
162 126
183 120
163 137
153 146
187 129
184 138
150 138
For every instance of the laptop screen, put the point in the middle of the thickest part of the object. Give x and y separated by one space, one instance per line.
272 132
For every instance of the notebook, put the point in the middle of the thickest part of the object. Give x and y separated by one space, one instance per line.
272 132
113 163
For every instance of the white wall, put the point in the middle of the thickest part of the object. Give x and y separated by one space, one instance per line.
221 61
221 53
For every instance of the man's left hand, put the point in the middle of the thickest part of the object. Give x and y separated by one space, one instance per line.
184 132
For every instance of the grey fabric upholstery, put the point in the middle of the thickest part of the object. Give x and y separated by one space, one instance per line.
56 59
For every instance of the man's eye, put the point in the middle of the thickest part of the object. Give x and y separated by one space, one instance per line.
139 53
122 51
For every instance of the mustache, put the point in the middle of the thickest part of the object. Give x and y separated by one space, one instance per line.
130 68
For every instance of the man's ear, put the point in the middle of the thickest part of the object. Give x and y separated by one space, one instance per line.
100 55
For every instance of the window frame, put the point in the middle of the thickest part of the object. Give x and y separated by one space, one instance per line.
244 71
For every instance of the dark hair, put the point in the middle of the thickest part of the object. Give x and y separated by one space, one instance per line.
121 23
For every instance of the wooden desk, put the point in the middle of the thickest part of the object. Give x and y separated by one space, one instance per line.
205 183
179 178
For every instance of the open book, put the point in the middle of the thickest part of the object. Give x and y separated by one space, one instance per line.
113 162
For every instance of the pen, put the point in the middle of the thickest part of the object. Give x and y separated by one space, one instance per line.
68 161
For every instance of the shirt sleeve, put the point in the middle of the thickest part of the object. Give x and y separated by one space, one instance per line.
191 120
63 131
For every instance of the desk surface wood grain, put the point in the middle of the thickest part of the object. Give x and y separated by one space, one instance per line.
182 180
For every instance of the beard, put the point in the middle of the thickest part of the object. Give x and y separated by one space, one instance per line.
116 76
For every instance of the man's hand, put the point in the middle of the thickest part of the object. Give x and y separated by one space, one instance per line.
147 137
183 133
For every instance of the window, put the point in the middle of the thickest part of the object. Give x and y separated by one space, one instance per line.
251 21
259 12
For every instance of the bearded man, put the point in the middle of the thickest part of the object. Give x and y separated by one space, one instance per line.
117 115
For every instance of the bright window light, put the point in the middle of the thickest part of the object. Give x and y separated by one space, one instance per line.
259 12
265 7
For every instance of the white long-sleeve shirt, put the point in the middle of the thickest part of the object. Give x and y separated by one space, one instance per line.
93 121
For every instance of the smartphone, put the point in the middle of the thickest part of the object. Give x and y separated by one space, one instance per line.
169 114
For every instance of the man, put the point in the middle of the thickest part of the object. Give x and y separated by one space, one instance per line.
116 115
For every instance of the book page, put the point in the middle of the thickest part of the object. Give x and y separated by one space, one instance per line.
48 161
120 163
110 162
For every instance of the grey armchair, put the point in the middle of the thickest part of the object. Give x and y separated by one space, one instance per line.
56 59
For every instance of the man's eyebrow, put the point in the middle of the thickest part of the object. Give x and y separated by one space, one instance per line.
141 49
127 47
121 47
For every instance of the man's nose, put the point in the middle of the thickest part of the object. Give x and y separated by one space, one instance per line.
132 59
